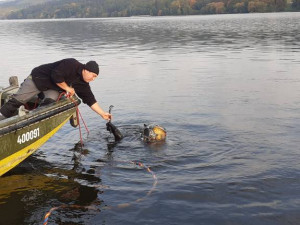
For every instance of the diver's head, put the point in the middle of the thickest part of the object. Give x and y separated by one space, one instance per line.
154 133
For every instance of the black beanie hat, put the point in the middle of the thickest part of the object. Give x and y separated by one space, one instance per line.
92 66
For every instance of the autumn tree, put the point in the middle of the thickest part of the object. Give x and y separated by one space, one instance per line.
240 7
214 8
257 6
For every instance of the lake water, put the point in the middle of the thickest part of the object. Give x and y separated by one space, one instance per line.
226 88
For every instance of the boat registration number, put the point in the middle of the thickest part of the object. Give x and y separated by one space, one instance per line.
28 136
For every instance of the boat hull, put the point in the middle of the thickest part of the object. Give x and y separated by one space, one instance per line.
22 137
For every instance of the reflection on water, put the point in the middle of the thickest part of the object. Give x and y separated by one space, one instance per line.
226 88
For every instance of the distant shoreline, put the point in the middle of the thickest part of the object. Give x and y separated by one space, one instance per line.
50 9
146 16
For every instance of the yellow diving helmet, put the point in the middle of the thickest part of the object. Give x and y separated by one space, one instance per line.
154 133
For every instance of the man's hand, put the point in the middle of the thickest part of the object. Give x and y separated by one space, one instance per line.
106 116
70 91
65 87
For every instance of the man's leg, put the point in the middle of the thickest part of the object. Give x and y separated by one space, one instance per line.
50 97
27 90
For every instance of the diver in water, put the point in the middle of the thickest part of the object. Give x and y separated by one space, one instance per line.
154 133
150 133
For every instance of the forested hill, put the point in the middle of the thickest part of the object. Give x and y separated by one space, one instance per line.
7 6
118 8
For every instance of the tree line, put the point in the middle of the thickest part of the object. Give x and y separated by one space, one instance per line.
125 8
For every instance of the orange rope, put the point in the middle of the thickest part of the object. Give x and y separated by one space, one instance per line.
122 205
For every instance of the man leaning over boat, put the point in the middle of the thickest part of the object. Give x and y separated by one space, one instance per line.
67 75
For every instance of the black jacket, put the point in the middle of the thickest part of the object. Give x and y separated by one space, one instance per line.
67 70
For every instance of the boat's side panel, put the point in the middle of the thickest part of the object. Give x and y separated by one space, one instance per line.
20 144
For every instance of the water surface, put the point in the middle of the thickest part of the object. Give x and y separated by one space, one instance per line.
226 88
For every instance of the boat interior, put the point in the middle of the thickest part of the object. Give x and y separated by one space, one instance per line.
7 93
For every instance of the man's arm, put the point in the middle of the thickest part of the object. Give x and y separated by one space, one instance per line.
66 87
105 115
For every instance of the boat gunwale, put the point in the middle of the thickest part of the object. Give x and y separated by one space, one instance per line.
17 122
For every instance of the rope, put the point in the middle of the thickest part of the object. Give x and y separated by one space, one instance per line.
155 181
80 133
77 115
65 206
83 121
122 205
48 214
60 95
